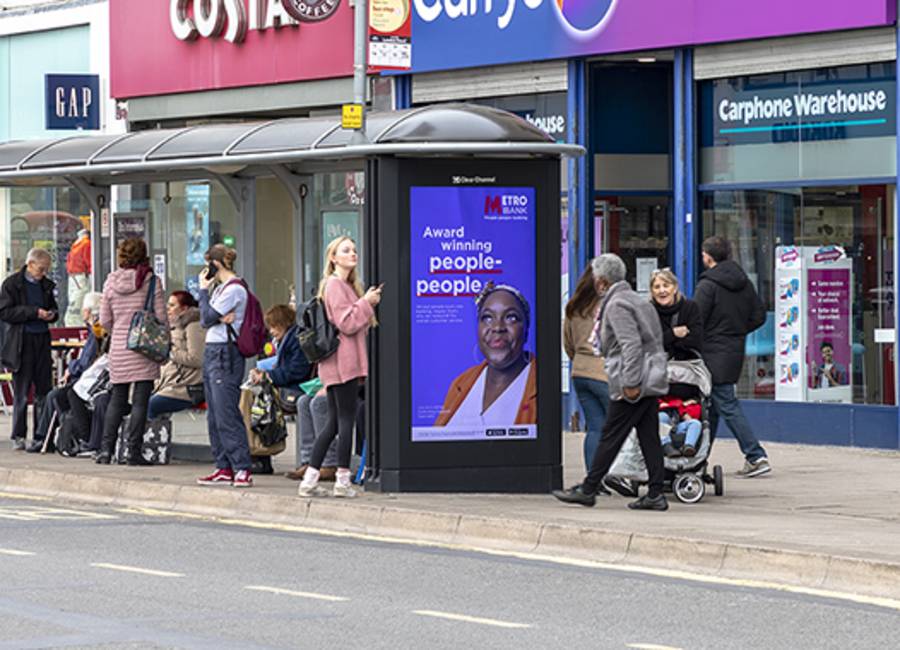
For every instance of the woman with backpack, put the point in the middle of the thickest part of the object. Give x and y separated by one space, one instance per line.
222 313
352 312
125 293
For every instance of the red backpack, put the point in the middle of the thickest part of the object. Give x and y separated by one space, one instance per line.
253 335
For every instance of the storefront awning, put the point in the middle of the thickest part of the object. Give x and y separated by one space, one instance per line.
249 148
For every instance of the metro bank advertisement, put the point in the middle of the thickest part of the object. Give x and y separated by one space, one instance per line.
474 373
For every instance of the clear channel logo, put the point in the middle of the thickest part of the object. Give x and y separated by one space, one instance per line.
580 18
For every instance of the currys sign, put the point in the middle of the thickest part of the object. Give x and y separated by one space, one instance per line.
462 33
177 46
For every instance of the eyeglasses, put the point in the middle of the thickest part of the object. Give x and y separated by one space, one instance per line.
656 272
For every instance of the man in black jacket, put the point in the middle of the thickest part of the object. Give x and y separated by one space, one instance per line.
731 309
28 306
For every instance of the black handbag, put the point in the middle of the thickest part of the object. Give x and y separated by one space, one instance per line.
286 398
318 337
196 393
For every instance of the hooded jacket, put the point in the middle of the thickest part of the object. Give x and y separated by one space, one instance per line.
15 312
121 300
185 365
292 367
730 309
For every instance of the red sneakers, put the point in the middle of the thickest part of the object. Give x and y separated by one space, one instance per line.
242 479
219 477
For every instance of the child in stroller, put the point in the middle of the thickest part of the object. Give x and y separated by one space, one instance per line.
683 416
679 427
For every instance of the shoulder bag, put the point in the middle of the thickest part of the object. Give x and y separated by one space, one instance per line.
147 335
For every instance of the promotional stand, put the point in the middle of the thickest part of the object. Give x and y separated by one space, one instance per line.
814 324
464 403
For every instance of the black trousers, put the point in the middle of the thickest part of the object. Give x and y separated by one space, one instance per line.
35 368
118 409
342 403
621 418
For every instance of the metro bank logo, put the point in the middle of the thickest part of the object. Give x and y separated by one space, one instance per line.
505 205
580 18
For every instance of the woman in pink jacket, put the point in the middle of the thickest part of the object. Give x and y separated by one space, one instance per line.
352 313
124 294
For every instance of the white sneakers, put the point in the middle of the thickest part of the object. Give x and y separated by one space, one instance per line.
343 488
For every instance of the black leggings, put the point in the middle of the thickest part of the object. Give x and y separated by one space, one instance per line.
118 408
342 403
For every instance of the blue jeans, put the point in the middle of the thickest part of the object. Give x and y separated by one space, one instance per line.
690 429
160 404
726 405
593 395
223 372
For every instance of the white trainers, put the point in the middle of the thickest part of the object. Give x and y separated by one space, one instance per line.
757 468
344 491
311 491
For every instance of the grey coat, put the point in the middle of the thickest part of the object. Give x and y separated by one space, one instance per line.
630 339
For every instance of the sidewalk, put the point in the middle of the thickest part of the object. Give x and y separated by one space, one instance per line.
826 517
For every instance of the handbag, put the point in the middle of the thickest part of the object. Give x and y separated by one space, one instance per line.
286 398
147 335
94 381
317 335
196 393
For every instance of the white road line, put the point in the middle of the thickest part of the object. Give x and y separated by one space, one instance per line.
470 619
10 551
650 646
700 578
135 569
297 594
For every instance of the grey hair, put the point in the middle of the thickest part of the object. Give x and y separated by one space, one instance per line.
609 267
38 255
92 301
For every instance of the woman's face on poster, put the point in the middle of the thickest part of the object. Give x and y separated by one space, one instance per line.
502 330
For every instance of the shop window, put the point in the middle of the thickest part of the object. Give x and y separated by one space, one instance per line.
275 244
58 220
636 228
844 323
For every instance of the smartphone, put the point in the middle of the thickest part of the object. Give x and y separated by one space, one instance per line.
211 271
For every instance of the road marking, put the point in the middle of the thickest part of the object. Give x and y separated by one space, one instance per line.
38 513
651 646
10 551
470 619
298 594
135 569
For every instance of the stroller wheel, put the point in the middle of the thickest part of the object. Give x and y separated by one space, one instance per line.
719 480
689 488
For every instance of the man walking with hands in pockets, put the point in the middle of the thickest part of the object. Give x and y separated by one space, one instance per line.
629 337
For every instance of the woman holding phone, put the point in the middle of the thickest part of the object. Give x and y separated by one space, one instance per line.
223 309
352 312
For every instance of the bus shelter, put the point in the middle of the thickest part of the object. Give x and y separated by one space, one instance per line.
457 213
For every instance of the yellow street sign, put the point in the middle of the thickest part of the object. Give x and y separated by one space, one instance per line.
351 116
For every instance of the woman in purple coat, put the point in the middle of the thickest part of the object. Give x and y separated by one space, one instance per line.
124 294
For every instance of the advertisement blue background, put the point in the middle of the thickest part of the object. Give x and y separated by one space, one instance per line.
442 351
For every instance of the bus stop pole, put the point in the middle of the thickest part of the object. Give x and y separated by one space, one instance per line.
360 36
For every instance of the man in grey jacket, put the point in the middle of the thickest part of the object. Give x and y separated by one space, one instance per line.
630 340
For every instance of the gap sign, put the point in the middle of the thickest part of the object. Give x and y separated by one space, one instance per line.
72 101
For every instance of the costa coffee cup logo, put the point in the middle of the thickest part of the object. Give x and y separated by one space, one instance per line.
310 11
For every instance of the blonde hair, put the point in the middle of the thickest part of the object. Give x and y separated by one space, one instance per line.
667 277
328 271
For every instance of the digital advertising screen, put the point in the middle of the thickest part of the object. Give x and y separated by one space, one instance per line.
472 270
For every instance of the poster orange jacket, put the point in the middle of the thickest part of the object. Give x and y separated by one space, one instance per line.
459 389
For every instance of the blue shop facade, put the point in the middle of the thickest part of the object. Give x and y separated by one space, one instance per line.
782 140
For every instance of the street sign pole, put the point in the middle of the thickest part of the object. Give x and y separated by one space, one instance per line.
360 44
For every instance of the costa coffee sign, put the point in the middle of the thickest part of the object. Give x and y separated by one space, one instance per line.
179 46
231 19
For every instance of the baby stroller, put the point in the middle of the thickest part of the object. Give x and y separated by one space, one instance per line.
686 476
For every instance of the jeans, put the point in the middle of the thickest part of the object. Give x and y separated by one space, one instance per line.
593 395
343 400
137 422
223 372
35 368
623 417
726 405
159 404
312 416
690 429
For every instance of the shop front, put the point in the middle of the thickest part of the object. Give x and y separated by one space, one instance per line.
773 124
